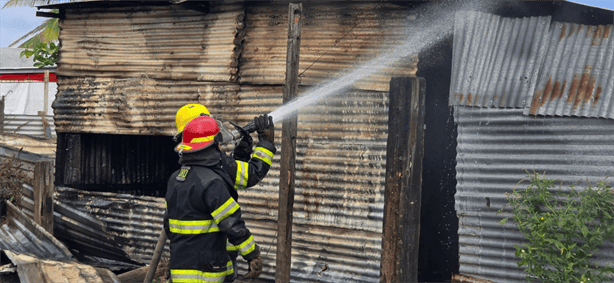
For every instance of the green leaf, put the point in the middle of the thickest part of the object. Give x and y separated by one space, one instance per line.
584 231
28 53
502 221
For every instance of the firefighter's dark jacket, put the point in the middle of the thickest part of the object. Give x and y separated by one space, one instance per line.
247 173
202 213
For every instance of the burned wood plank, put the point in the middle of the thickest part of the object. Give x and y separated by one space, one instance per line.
404 154
288 148
43 194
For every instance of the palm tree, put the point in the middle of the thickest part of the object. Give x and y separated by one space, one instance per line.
47 32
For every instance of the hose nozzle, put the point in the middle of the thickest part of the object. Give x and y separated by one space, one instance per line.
241 131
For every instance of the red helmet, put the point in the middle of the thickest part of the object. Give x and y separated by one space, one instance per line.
198 134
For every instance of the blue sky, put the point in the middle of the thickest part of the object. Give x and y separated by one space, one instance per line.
17 21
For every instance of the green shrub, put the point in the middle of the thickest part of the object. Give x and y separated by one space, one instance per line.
563 230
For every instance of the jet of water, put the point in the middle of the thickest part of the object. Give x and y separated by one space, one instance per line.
439 18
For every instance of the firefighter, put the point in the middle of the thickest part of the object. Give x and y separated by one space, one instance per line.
246 165
203 217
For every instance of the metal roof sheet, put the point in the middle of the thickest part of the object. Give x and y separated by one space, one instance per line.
161 42
132 222
22 235
335 37
83 232
496 60
494 148
577 78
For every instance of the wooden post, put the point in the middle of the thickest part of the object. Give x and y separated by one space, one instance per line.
403 189
155 259
2 115
43 194
46 125
46 103
288 149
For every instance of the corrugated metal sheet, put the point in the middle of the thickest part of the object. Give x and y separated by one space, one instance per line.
21 234
132 222
496 60
340 170
32 269
136 106
38 255
30 125
82 232
170 42
335 38
494 148
577 78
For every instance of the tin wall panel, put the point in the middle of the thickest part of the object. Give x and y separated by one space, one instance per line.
495 146
335 38
135 106
339 194
496 60
29 125
578 73
170 42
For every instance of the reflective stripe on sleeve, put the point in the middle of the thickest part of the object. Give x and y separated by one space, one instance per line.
197 276
242 171
246 247
228 208
192 226
263 154
230 247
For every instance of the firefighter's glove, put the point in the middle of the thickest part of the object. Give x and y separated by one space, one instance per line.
243 150
265 128
255 268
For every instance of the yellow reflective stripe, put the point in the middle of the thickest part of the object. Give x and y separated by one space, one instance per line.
242 175
263 154
203 139
192 226
230 247
228 208
190 275
247 246
164 203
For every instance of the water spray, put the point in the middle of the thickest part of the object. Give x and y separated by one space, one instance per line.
440 27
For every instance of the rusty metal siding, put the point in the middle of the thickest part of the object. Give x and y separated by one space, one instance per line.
158 42
496 60
340 171
134 106
335 38
578 73
494 148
